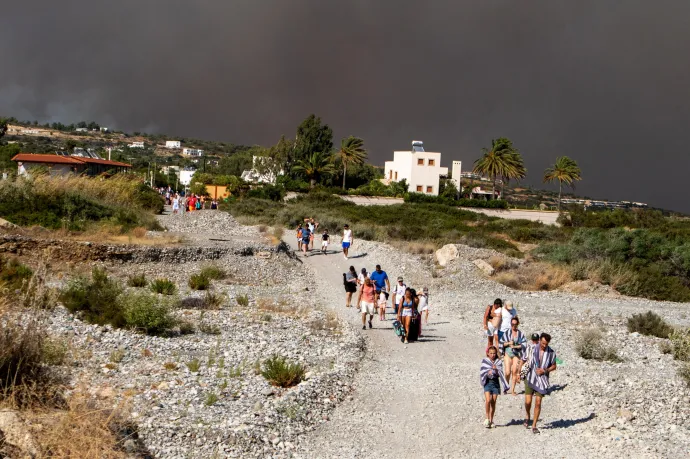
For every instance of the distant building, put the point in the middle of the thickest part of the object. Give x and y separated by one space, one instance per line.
255 176
30 131
186 176
62 164
104 129
192 152
456 174
81 130
172 144
136 145
421 169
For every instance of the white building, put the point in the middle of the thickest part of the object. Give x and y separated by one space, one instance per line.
192 152
81 130
171 144
186 176
456 174
422 169
255 176
136 145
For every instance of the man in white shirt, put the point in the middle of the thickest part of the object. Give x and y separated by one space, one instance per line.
348 240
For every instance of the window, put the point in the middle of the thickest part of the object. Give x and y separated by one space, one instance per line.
390 175
419 188
429 189
420 161
396 176
432 162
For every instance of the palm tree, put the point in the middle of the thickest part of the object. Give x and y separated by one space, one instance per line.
315 166
351 151
502 160
565 170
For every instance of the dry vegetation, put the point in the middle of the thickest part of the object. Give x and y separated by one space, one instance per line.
535 276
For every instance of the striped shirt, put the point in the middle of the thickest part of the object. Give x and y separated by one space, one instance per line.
520 339
539 359
487 367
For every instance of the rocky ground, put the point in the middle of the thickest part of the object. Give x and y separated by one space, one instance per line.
367 394
201 395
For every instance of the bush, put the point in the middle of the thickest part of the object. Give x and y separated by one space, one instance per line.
13 274
590 345
187 328
213 300
192 302
163 286
282 373
193 365
209 329
199 282
213 272
94 300
650 324
242 300
25 378
138 280
680 339
147 313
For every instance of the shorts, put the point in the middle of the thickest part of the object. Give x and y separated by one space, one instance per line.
530 391
350 287
407 312
324 243
424 308
492 331
492 386
305 241
368 308
346 245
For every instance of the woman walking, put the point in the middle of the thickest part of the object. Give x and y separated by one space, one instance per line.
493 381
513 342
492 322
406 311
350 281
367 301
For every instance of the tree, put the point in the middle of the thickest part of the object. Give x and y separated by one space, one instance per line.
351 152
3 126
312 137
317 166
7 152
502 160
565 170
236 163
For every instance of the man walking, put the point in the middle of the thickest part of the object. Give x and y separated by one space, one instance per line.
380 279
543 362
306 235
348 240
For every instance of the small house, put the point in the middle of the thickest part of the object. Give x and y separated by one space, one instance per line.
422 169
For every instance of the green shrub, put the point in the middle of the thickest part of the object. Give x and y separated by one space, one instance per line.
148 313
163 286
95 300
187 328
13 274
194 365
590 345
242 300
213 272
138 280
213 300
650 324
211 399
199 282
209 329
680 339
279 372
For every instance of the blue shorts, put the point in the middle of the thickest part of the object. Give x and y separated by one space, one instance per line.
492 386
346 245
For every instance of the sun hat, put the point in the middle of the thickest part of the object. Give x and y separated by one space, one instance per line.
400 278
508 304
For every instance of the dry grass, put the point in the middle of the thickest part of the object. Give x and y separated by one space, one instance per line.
501 263
82 431
139 232
415 247
281 306
535 276
329 321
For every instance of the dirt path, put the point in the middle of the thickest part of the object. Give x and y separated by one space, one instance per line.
423 399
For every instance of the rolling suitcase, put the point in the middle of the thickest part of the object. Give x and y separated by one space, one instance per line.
413 334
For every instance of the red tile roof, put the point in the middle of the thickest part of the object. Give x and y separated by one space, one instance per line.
48 159
55 159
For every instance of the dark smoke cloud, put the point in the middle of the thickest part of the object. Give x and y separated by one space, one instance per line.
604 82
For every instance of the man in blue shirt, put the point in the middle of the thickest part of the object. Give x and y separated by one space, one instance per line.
380 279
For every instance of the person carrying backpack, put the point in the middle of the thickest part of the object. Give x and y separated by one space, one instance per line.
306 237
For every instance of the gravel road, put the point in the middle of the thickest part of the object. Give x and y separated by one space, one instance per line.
424 399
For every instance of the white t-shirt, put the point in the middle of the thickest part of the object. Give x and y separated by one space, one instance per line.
423 303
361 278
347 235
399 292
506 316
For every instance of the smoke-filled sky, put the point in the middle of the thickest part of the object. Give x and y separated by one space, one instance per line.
605 82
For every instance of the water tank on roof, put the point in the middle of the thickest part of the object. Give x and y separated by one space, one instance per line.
417 145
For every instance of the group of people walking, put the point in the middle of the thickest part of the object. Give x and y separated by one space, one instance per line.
374 290
191 203
510 359
306 233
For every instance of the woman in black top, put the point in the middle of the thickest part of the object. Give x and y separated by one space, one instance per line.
350 281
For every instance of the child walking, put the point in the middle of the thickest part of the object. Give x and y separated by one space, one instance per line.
493 380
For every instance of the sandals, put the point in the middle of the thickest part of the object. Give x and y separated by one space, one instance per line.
526 424
535 430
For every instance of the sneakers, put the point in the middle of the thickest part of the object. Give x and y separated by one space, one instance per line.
487 424
364 327
370 326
